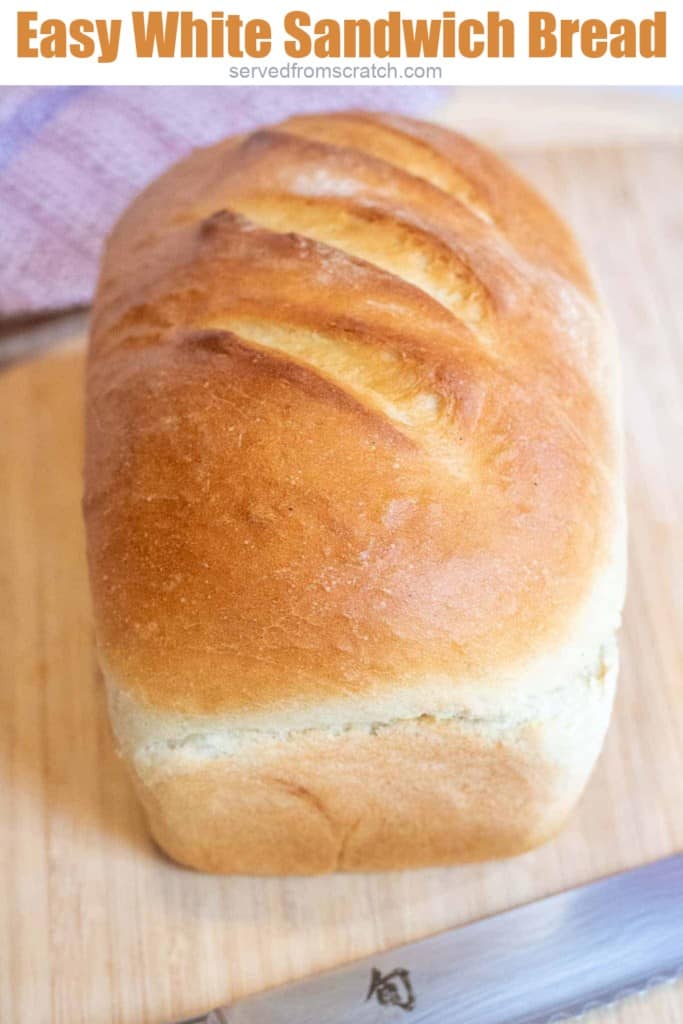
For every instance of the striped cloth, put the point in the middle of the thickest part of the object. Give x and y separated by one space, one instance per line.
72 157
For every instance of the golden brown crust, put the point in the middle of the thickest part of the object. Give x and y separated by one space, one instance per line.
393 490
465 171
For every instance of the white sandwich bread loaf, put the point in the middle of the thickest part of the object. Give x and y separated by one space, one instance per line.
354 502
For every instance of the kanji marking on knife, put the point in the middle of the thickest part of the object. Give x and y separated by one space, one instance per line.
393 989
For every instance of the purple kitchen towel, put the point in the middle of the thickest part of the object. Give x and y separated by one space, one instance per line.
71 158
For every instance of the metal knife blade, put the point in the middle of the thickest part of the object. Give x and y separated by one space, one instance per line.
537 964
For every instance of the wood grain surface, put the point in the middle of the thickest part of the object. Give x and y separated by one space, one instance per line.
96 927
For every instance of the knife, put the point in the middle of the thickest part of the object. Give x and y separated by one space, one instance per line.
544 962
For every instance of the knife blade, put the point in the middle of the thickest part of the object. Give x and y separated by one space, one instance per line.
537 964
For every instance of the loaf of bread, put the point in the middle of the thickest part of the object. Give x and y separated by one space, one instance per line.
353 502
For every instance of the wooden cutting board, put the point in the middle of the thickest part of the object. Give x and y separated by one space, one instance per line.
96 927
